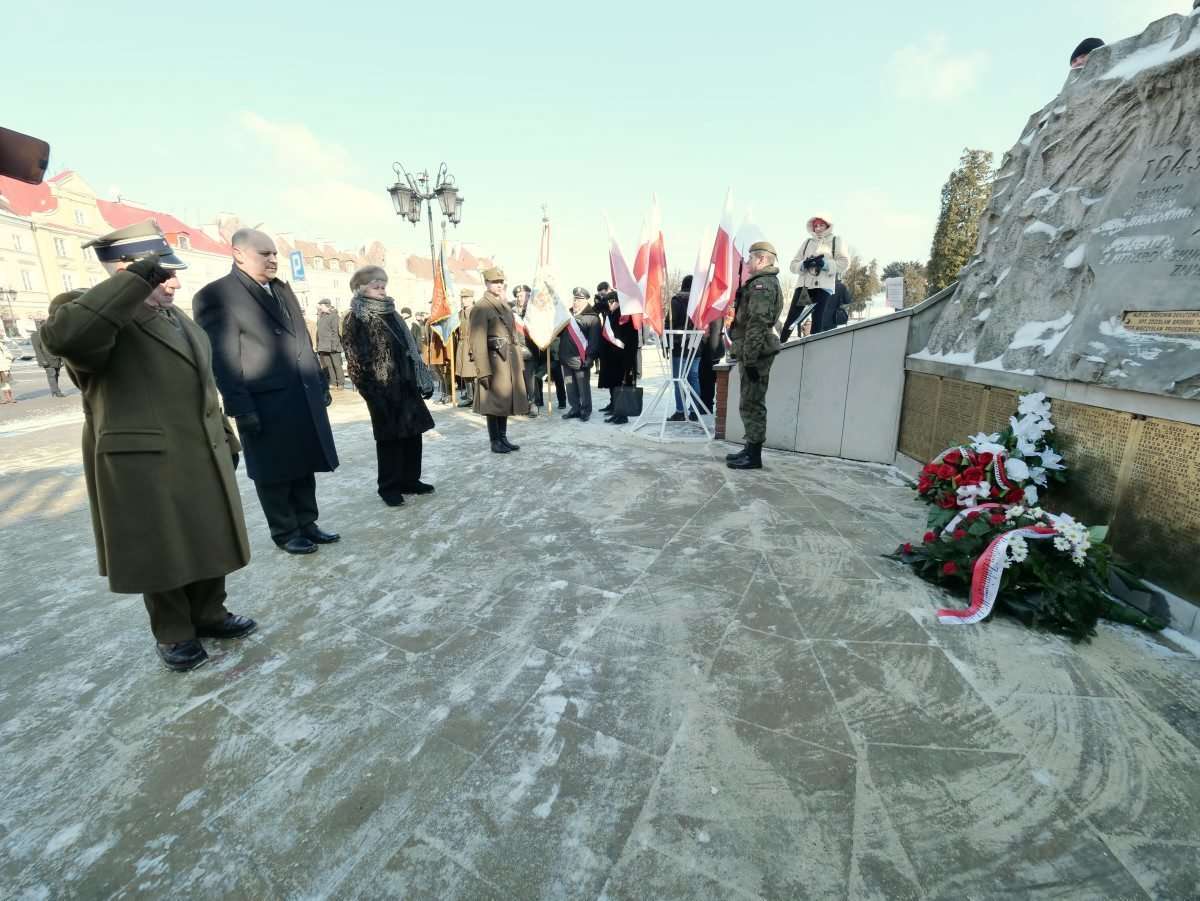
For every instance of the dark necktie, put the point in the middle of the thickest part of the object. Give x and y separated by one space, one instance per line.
279 301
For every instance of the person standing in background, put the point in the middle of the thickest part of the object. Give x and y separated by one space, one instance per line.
329 344
495 350
819 262
47 361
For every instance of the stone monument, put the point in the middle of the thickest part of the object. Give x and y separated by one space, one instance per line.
1086 285
1088 265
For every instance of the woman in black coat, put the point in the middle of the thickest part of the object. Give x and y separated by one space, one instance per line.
385 366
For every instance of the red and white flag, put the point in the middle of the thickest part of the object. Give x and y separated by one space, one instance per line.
628 292
650 268
719 286
699 276
519 323
609 336
575 333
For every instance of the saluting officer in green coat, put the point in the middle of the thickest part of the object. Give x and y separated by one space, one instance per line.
757 306
158 453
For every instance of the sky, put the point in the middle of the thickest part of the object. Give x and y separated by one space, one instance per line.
292 114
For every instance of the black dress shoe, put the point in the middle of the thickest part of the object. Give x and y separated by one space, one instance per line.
607 409
182 656
571 414
297 545
584 417
619 420
677 416
499 447
692 417
314 534
417 488
397 501
233 626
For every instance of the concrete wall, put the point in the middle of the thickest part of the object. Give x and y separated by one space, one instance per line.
837 394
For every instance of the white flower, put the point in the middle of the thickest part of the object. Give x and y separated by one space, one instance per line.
1034 403
1062 544
1018 549
1036 512
987 444
1038 475
1014 512
1051 459
1079 557
1015 469
1031 494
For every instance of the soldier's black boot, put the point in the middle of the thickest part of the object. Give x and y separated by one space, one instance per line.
502 425
752 460
736 455
181 656
498 447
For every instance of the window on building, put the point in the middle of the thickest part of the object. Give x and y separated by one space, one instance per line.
80 218
184 243
87 254
17 242
60 247
26 280
68 281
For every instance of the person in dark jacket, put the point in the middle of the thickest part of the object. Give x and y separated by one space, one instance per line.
48 361
386 367
577 348
677 320
329 344
712 351
619 349
271 381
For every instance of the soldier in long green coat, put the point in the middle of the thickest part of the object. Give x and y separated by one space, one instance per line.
158 453
495 352
756 308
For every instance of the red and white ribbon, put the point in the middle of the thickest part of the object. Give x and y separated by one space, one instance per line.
967 514
985 578
575 333
610 336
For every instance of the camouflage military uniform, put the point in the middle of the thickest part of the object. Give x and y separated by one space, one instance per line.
755 344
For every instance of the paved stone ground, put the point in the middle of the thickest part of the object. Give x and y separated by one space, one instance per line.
599 668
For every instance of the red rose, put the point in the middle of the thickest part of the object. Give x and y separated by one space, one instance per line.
924 484
953 458
946 471
972 476
949 568
959 534
1014 496
930 469
995 491
985 458
948 502
907 548
997 519
929 538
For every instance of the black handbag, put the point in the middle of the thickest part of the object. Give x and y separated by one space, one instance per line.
627 400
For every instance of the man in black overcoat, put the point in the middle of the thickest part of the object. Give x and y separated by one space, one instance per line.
268 373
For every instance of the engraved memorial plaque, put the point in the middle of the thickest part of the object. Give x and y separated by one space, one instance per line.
1094 443
960 408
1157 523
999 406
1185 323
917 414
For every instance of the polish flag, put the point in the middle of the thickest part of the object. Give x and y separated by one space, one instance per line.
575 333
722 271
699 280
519 323
609 336
650 268
628 291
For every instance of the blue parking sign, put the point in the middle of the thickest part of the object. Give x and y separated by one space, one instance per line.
297 259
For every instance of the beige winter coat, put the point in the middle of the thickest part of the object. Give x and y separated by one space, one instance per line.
837 259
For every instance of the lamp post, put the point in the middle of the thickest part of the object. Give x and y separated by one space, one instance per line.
8 295
409 195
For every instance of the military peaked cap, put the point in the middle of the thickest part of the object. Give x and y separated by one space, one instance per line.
134 242
495 274
764 247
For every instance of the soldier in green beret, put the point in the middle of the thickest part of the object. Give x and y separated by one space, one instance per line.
757 306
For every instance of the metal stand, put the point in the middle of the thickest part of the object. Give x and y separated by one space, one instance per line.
691 400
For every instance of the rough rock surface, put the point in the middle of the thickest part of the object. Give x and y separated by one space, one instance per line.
1095 212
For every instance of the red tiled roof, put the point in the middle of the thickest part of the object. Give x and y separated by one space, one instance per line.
24 200
119 215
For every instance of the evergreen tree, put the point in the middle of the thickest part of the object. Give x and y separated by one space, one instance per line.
863 283
964 197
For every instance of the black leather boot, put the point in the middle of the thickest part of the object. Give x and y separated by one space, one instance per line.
752 460
182 656
503 427
498 446
737 455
